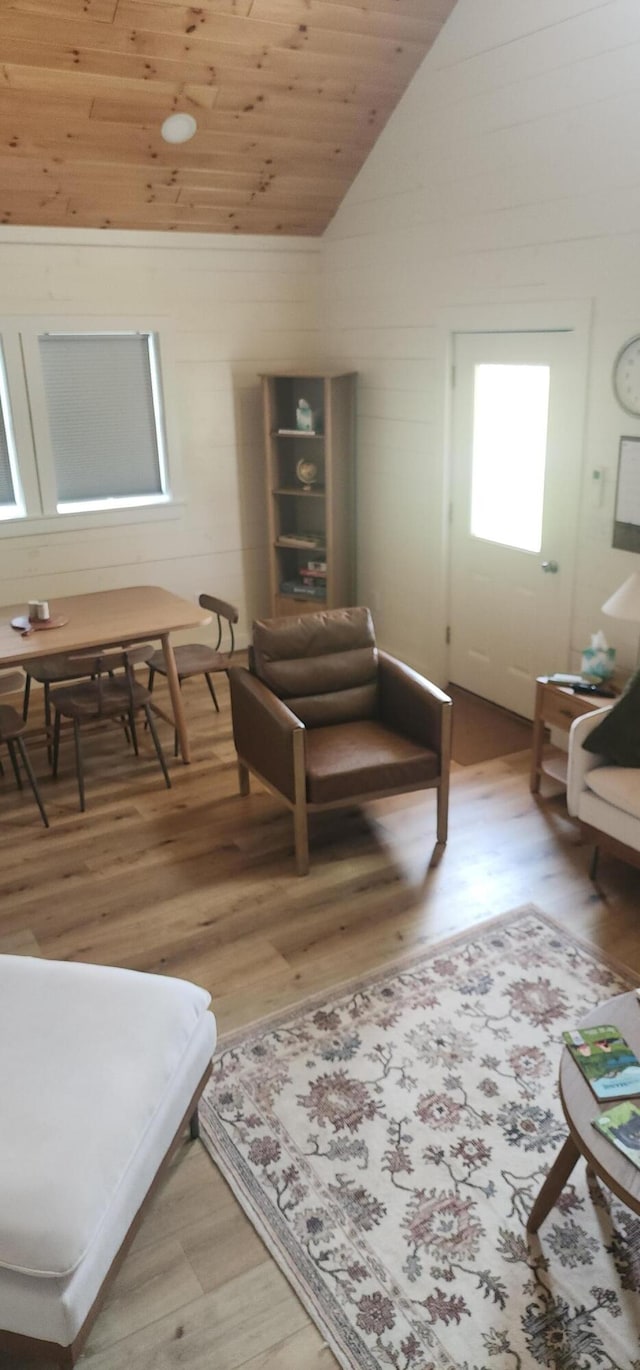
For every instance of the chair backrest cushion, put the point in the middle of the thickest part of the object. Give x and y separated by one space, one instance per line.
324 665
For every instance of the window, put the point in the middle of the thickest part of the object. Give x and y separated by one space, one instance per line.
510 414
11 503
102 397
87 432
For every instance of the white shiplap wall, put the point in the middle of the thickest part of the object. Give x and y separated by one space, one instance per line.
230 308
508 178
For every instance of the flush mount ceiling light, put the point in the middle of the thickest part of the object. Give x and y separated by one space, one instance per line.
178 128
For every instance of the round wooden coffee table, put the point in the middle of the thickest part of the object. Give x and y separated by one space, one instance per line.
580 1108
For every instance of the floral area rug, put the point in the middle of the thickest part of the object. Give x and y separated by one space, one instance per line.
388 1144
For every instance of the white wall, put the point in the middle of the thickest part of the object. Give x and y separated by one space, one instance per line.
230 308
509 175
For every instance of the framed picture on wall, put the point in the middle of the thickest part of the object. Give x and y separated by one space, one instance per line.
626 518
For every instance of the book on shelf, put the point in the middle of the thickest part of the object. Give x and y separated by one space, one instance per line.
607 1062
295 433
621 1125
300 539
302 591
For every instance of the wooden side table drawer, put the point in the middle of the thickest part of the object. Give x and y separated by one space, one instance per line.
560 710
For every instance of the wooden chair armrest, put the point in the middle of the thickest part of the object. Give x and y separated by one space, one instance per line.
412 704
263 730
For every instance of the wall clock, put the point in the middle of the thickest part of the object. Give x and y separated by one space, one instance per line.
626 376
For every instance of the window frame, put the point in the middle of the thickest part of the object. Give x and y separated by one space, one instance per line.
19 341
17 510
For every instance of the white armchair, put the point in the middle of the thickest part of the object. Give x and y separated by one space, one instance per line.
604 798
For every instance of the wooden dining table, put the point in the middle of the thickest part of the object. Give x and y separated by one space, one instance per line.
108 618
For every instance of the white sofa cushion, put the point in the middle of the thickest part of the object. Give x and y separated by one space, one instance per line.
88 1056
54 1309
618 785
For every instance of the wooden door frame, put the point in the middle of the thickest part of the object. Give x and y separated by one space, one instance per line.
528 316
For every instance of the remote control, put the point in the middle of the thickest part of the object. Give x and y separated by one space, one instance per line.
603 690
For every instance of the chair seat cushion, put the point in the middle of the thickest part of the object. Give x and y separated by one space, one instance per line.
192 658
351 759
88 1057
618 785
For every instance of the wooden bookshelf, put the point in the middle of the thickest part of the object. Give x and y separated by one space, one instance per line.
320 507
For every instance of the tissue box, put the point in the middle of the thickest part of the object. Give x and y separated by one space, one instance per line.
598 662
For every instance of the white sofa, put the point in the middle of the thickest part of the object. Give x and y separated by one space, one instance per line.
100 1070
604 798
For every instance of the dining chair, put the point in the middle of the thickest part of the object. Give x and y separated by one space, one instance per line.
12 727
51 670
198 658
112 692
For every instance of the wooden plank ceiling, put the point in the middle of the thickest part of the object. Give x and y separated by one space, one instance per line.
289 96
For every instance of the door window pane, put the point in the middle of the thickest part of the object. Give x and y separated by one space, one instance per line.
510 414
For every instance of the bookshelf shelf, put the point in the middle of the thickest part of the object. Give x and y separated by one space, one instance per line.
322 513
292 493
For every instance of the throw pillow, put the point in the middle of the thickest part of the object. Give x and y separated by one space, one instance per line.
618 735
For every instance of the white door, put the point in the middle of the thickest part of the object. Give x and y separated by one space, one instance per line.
516 465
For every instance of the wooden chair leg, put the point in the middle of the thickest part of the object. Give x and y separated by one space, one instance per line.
443 810
79 766
56 745
244 778
32 780
301 833
176 740
47 718
25 700
134 733
157 745
11 748
194 1126
212 691
300 815
593 868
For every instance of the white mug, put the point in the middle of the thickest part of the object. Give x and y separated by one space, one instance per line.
32 608
42 610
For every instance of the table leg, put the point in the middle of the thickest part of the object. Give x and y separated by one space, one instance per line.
554 1184
176 699
537 741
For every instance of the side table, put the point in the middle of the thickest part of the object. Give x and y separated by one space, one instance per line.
556 707
580 1107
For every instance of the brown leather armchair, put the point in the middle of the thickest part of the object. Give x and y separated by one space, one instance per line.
324 718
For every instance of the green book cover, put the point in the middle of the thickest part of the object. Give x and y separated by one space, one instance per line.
607 1062
622 1126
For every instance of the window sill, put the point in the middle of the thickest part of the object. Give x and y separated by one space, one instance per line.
44 524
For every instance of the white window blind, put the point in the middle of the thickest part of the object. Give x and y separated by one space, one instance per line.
102 397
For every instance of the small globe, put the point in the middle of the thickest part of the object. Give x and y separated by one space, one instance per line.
306 471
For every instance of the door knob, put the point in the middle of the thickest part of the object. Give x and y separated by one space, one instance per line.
550 566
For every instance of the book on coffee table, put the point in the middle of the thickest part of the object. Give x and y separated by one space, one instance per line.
622 1127
607 1062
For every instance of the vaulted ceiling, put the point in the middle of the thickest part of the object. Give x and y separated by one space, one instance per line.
289 97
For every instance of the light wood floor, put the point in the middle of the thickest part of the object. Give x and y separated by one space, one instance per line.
199 883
